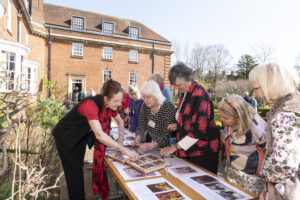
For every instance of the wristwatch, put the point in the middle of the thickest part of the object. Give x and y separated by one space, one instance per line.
176 146
119 147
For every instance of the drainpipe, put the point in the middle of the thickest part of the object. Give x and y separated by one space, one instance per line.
153 58
49 61
19 15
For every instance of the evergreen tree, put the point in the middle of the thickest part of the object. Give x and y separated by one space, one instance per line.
246 64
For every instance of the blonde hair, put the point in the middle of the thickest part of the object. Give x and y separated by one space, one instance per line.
275 80
152 88
134 88
235 106
157 78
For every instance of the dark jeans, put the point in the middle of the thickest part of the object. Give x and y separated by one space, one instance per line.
208 162
72 163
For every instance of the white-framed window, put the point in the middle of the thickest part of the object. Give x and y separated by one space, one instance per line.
107 74
77 49
134 32
133 56
10 67
9 15
108 53
108 28
133 77
78 23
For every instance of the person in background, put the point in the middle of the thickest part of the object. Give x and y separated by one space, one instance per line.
76 95
124 106
164 89
84 93
277 85
244 138
156 115
135 104
249 99
72 133
198 138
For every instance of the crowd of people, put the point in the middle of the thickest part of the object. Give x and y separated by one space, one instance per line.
261 156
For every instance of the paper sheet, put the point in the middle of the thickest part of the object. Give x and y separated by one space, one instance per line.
129 173
158 188
187 142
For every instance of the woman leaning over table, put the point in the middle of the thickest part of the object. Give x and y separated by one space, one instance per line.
276 85
72 135
195 121
156 115
244 138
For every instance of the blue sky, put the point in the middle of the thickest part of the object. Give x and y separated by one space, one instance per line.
240 25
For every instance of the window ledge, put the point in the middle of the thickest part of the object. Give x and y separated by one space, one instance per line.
78 57
133 62
107 59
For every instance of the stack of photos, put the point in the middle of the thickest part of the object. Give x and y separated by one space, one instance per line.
147 163
218 187
184 170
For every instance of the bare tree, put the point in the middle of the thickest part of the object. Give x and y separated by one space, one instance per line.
198 60
181 52
262 52
218 59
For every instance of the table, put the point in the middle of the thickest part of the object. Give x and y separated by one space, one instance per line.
176 182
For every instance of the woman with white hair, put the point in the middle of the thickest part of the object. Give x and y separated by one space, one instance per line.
244 138
135 104
277 86
156 115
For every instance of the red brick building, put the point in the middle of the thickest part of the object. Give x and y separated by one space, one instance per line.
77 48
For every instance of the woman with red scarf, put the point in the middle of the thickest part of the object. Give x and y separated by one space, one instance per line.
72 134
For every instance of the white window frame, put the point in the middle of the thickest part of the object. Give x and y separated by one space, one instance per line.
130 32
133 78
107 74
133 56
105 28
107 53
77 49
78 26
11 74
9 15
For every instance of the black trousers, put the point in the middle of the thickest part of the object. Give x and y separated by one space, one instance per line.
72 163
209 161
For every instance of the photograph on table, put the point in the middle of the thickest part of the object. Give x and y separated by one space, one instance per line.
224 191
158 163
183 170
172 195
204 179
159 187
146 166
133 173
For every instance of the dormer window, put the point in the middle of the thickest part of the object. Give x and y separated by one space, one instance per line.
108 28
77 23
134 32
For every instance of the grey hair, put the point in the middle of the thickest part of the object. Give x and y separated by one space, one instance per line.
180 71
152 88
235 106
157 78
275 80
134 88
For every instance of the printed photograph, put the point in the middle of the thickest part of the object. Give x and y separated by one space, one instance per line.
152 157
146 166
183 170
204 179
172 195
158 163
138 162
159 187
146 159
224 191
133 173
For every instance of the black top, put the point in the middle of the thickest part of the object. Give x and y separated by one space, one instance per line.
73 127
